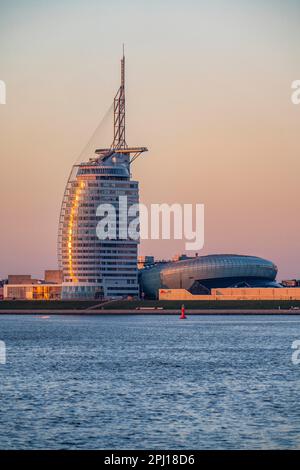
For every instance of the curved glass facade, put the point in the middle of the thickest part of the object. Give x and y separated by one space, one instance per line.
95 268
208 271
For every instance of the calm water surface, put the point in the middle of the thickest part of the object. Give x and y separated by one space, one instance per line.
216 382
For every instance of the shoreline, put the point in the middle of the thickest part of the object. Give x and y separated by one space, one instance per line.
101 312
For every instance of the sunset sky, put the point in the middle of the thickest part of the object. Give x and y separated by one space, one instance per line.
208 88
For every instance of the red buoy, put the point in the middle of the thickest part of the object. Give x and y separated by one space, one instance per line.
182 316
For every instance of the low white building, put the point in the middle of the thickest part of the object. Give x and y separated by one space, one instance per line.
32 291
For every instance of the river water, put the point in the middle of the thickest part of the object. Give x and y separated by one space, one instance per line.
134 382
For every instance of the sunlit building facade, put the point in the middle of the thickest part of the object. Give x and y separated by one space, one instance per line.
94 267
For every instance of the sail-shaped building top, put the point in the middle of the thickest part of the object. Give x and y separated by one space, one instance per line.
93 267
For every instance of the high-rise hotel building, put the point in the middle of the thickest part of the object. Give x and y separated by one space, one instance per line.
94 267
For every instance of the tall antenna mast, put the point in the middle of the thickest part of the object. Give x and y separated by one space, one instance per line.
119 141
119 144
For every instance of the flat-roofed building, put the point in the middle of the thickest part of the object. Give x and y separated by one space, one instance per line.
21 279
239 293
32 291
96 266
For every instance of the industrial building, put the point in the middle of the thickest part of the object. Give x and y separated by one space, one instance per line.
200 274
92 267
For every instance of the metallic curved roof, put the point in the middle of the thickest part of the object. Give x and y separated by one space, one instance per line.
182 274
225 265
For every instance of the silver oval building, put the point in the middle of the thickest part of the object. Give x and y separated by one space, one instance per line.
202 273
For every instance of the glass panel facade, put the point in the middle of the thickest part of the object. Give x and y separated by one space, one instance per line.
95 268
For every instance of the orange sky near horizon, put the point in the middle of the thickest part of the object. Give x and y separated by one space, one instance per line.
208 92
